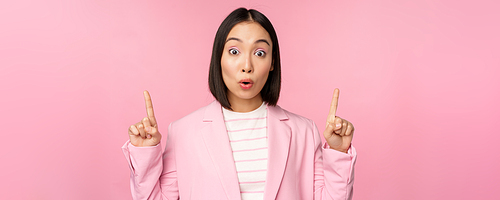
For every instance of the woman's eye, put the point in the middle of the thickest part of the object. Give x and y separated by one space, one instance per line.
260 53
233 51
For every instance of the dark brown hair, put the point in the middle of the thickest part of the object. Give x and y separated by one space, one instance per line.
271 90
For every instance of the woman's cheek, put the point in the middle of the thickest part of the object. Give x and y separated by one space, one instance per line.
227 68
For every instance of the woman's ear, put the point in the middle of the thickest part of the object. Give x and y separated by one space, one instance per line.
272 66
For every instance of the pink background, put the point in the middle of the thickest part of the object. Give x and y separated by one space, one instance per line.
419 80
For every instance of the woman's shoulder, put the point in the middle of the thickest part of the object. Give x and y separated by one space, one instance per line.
195 116
301 127
285 115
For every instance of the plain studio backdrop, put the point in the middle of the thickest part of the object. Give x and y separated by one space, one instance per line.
418 79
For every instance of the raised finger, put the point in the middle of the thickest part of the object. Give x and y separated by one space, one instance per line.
334 105
149 108
147 125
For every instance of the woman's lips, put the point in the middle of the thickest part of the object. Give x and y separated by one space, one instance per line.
246 84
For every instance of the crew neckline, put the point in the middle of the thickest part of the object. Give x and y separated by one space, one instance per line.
261 107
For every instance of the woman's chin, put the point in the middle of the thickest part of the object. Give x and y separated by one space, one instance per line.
246 96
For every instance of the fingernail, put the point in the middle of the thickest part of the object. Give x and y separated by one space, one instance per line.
338 125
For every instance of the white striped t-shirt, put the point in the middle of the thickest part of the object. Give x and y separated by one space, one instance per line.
248 138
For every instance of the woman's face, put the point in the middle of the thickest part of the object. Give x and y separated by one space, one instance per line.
246 62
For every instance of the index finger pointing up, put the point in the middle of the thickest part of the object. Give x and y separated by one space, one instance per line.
149 108
333 105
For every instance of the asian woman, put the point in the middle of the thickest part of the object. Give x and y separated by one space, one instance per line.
242 145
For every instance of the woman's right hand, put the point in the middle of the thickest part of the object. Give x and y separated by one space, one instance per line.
145 133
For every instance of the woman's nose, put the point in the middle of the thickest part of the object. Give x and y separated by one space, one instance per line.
247 67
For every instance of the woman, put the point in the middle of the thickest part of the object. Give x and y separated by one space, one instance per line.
242 146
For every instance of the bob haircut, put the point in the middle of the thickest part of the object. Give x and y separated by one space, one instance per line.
271 90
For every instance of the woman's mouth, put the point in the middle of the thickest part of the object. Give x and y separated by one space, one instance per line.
246 84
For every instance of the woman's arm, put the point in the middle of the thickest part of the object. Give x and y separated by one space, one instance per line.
145 165
333 171
153 175
334 160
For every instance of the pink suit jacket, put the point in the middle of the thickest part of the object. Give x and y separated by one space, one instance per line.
198 163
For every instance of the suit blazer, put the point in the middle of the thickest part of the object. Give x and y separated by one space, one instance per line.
198 163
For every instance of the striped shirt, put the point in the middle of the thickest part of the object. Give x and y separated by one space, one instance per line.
248 138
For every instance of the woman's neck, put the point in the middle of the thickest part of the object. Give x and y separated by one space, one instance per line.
245 105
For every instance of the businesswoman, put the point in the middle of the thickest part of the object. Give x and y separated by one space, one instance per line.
242 145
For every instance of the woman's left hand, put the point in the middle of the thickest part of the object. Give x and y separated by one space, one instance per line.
338 132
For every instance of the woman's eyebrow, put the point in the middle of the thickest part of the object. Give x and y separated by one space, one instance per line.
237 39
233 38
263 40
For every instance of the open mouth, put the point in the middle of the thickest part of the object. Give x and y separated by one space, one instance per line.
246 83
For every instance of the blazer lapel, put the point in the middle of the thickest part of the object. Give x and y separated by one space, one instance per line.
279 135
217 142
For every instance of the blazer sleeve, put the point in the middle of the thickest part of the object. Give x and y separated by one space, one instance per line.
333 171
153 175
